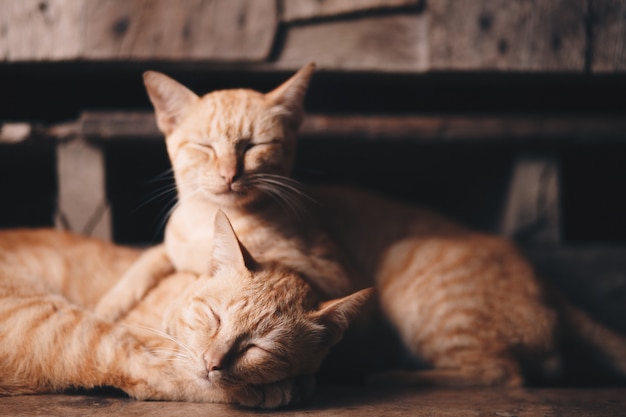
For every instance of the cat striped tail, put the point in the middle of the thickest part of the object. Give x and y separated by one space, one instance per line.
606 346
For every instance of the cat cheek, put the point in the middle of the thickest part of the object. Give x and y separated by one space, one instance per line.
265 162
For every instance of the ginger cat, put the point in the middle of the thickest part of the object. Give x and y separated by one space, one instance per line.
244 332
467 304
233 150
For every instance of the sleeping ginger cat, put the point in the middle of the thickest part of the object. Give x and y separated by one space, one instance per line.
235 334
233 150
467 304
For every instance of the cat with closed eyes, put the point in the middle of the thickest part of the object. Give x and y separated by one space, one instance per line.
466 304
242 332
233 150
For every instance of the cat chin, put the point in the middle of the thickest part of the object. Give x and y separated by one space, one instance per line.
230 200
233 199
221 383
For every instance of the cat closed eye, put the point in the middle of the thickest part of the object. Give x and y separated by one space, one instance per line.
254 350
259 144
202 146
214 319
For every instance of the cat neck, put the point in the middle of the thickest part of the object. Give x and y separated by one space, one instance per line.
263 209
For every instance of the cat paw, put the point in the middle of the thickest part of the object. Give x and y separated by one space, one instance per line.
112 306
278 394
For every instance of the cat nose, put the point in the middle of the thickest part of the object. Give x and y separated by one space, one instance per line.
230 171
213 364
229 178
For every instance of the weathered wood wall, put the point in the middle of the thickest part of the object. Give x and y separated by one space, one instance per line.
368 35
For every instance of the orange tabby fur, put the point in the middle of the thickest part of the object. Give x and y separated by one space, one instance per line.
252 337
233 150
466 303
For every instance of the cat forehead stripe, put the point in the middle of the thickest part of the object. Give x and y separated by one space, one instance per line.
232 113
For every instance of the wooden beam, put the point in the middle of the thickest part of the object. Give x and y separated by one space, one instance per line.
510 35
417 128
241 30
608 48
82 202
378 43
365 35
14 132
38 30
218 30
474 128
115 125
532 210
295 10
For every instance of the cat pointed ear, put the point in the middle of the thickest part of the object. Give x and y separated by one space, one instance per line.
171 100
289 96
227 250
336 315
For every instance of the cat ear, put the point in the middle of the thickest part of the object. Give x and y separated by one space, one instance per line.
289 96
336 315
171 100
226 248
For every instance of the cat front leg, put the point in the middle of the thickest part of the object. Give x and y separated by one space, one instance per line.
489 373
153 265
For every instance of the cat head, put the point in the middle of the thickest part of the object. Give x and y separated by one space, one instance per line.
228 145
257 324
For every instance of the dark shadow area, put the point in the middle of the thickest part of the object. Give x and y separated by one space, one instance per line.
28 184
53 92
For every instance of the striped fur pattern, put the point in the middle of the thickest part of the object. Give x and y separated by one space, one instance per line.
233 150
465 303
236 335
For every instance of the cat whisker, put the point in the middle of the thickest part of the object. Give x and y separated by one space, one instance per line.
172 353
165 215
161 333
156 194
286 191
167 212
282 198
166 175
170 350
289 183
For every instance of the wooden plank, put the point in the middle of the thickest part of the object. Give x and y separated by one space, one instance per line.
14 132
512 35
240 30
531 211
382 43
115 125
351 401
431 128
82 203
608 49
36 30
294 10
473 128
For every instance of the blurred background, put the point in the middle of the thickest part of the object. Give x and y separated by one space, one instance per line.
506 114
